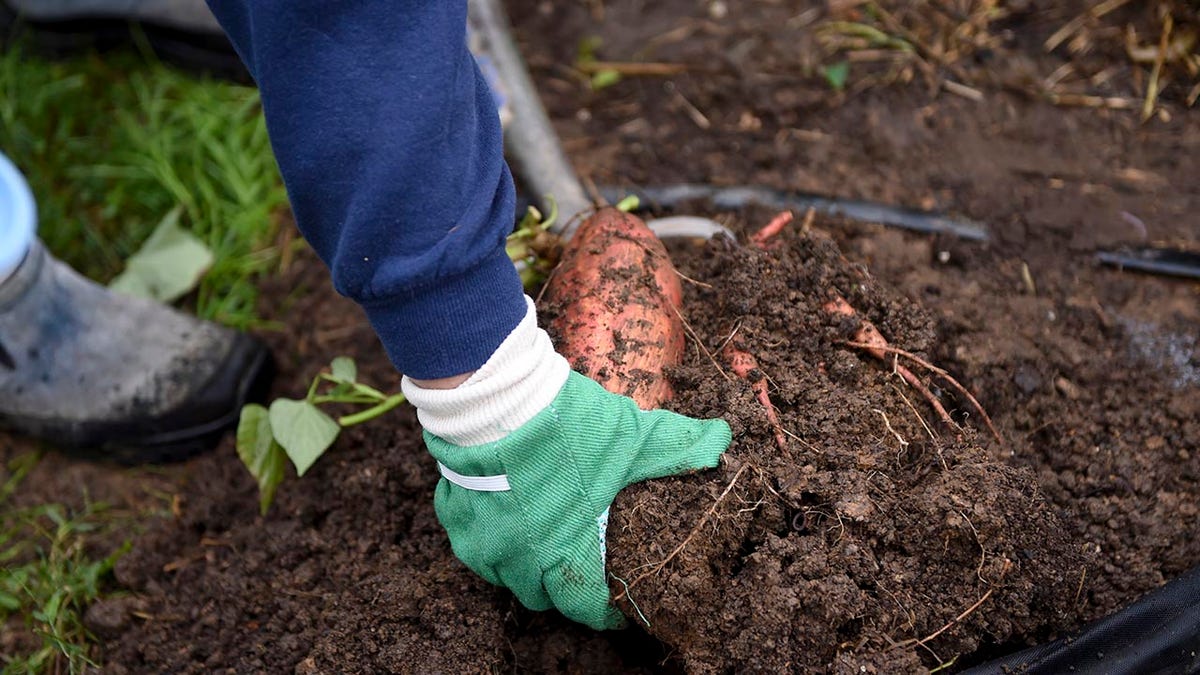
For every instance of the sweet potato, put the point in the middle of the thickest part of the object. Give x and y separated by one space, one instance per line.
745 366
620 297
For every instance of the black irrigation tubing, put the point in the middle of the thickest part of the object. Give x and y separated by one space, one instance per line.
736 197
1158 261
1163 261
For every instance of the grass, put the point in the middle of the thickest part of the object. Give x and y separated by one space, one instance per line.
111 143
49 573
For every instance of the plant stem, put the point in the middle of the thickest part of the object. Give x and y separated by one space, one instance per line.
374 393
353 399
312 389
371 413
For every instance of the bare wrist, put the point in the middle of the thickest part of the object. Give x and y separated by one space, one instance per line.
444 382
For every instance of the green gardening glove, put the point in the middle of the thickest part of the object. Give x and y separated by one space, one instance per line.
529 511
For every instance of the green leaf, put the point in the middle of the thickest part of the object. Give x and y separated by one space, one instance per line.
54 513
605 78
260 453
9 602
343 369
586 50
836 74
629 203
170 263
303 430
530 225
49 613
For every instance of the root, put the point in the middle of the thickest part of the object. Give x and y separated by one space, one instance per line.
733 333
625 593
932 436
759 239
958 619
945 376
869 338
917 384
766 483
762 238
1079 589
743 364
658 567
700 343
692 281
887 423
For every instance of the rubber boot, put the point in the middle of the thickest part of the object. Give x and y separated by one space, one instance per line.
102 373
182 32
117 377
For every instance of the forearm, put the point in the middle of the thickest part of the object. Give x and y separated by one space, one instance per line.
390 147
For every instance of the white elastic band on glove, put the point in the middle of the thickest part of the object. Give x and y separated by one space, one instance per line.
518 381
476 483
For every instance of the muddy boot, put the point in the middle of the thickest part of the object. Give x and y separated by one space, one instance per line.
124 378
183 32
114 376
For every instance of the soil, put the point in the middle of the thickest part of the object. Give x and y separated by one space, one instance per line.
871 528
866 534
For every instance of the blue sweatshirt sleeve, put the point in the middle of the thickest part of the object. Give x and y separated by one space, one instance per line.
390 146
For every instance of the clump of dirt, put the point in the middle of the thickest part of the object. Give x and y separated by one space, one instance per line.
872 530
1091 373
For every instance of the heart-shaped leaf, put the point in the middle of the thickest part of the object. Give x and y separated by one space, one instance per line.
303 430
260 453
343 369
168 265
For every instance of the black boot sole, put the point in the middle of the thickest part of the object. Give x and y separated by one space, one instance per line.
209 54
201 422
193 427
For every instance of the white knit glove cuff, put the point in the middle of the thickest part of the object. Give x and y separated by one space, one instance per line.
518 381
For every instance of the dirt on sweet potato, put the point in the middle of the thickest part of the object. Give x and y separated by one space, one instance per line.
618 297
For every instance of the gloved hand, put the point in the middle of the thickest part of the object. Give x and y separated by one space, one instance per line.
532 455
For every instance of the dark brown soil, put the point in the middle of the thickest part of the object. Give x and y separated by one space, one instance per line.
870 530
824 555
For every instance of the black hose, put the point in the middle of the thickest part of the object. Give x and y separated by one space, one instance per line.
669 197
1160 261
1165 261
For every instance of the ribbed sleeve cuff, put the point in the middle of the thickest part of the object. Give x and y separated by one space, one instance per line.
520 379
452 327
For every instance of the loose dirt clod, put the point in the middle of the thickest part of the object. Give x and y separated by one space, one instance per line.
866 337
847 552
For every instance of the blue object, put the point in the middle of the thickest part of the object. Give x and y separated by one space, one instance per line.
18 217
390 145
492 77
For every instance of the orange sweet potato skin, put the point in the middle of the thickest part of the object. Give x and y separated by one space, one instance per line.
619 295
